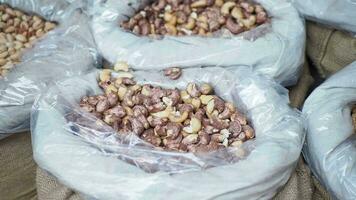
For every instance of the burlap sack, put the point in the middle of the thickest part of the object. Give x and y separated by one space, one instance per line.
48 188
330 50
17 168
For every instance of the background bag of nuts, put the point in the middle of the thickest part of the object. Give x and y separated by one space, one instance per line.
330 144
275 49
339 14
100 167
65 51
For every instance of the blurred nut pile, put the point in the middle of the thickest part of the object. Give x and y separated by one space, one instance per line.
353 114
190 120
18 31
196 17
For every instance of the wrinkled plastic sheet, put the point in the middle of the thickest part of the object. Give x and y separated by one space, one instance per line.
336 13
331 144
65 51
92 159
275 49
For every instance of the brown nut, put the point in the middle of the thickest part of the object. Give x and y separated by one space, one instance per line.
173 73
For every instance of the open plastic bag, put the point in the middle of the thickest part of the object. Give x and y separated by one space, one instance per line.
89 158
275 49
330 146
65 51
337 13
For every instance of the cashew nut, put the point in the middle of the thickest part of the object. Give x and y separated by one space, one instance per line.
171 29
178 119
199 3
163 114
225 9
205 99
185 97
105 75
121 66
249 22
237 13
194 127
191 24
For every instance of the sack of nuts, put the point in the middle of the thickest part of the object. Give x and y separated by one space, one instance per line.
339 14
267 35
214 132
331 117
40 41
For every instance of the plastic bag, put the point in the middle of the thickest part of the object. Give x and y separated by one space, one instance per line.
89 158
65 51
275 49
330 146
337 13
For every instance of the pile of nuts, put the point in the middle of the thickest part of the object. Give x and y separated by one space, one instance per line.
191 120
196 17
353 114
18 31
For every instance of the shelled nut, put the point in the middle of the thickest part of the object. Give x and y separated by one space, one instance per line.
18 31
196 17
190 120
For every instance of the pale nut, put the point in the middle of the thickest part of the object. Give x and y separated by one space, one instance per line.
193 90
237 13
21 38
123 75
196 103
199 3
190 24
205 99
121 66
194 127
163 114
110 89
105 75
121 91
49 26
171 29
180 118
250 22
219 3
206 89
190 139
210 106
226 7
185 97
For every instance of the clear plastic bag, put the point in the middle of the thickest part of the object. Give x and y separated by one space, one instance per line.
336 13
275 49
330 146
90 158
65 51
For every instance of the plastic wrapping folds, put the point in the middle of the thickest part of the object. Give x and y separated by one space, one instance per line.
339 14
330 147
275 49
65 51
92 159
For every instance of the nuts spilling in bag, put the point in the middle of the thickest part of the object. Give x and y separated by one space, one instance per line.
18 31
196 17
190 120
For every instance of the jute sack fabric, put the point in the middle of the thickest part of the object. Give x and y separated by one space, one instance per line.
48 188
302 185
330 50
17 168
